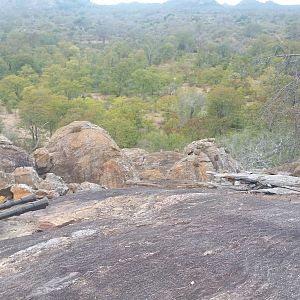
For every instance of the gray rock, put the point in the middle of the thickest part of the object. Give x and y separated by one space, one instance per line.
12 157
27 175
6 180
54 183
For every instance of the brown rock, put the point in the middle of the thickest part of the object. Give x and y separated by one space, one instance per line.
82 152
292 169
74 188
2 199
40 194
154 174
43 160
152 166
52 194
44 225
12 157
28 176
20 190
202 157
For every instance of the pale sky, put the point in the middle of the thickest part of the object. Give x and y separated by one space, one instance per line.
160 1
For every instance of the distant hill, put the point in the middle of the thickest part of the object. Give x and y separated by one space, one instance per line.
171 5
43 4
193 3
203 5
253 4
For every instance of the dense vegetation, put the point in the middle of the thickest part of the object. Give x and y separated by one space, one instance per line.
157 78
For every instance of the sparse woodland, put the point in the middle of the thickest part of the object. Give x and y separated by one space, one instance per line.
156 79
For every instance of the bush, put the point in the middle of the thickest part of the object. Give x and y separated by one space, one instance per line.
156 141
262 149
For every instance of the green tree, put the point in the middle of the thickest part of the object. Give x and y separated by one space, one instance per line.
11 88
40 110
224 109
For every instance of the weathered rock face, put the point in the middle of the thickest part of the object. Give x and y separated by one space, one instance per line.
12 157
20 190
6 180
152 166
28 176
292 169
55 184
82 152
43 161
85 186
158 164
200 158
136 155
154 244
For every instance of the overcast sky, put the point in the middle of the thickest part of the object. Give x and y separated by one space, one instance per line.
159 1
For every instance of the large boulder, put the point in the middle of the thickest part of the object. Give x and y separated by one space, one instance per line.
82 152
12 157
202 157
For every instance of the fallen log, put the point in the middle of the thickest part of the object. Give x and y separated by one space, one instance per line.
23 200
37 205
264 181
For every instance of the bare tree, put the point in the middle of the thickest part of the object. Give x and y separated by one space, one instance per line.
283 109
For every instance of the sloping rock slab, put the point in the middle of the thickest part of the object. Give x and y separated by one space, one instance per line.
154 244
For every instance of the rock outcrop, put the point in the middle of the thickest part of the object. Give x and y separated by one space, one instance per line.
202 157
82 152
26 181
21 190
43 161
6 180
141 243
153 166
12 157
28 176
55 184
292 169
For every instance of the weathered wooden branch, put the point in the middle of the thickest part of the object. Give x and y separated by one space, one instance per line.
23 200
37 205
264 180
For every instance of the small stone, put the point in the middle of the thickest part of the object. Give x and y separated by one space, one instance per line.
20 190
2 199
